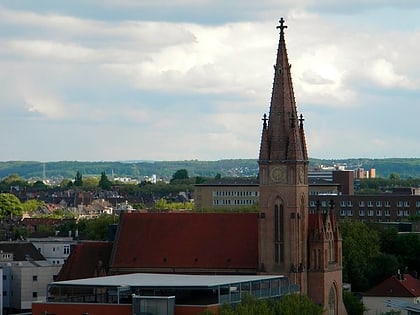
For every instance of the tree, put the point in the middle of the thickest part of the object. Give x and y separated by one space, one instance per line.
39 185
353 304
10 205
90 183
360 246
78 180
32 205
104 182
394 177
98 229
180 174
287 305
382 267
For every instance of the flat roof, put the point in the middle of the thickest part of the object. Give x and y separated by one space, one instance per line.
165 280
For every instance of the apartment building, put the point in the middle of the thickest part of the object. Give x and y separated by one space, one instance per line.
26 274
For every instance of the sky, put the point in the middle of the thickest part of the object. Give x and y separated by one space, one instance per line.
119 80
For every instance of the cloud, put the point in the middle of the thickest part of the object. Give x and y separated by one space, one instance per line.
199 88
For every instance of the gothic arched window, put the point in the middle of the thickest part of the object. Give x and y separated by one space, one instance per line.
332 302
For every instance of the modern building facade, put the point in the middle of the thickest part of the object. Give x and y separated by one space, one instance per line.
191 294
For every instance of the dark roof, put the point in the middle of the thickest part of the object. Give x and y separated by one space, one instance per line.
394 287
22 251
314 181
187 240
235 181
86 260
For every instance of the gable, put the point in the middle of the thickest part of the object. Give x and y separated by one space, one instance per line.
86 260
403 286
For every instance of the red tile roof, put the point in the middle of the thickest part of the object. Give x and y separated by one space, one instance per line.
86 260
393 287
187 240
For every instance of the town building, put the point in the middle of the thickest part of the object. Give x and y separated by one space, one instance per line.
25 274
56 250
399 293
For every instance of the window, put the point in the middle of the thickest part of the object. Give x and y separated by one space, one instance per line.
399 204
379 203
387 204
4 293
361 203
378 213
361 213
342 203
34 294
418 204
4 277
349 203
342 212
370 203
350 213
35 278
387 213
370 213
406 203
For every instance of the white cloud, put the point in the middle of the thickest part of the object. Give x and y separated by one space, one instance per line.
200 90
382 72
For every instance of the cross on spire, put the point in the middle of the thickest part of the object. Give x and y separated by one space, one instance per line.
281 26
265 121
301 120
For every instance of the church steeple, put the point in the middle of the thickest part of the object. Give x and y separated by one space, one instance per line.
283 166
288 233
283 137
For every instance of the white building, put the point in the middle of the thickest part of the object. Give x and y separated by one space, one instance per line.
54 249
25 275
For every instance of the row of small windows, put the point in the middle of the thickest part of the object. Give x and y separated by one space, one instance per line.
34 294
369 204
66 249
371 213
235 202
230 193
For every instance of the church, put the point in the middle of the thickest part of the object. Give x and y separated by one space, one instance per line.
306 247
282 238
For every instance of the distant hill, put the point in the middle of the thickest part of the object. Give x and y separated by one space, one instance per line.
405 167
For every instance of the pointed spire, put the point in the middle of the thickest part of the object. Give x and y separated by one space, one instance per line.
285 136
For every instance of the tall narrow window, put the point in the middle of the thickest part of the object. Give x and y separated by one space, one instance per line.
278 234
